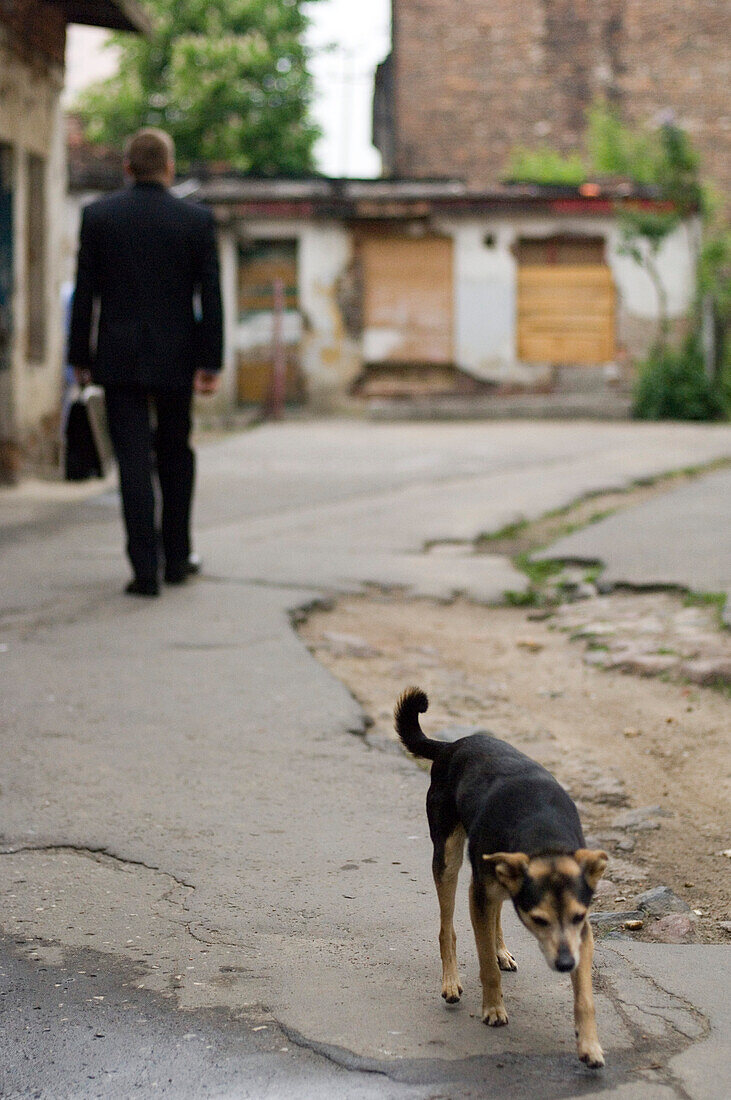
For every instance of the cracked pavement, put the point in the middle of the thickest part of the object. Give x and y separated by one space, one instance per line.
191 812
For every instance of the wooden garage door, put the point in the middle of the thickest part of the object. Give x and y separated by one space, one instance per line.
408 298
566 314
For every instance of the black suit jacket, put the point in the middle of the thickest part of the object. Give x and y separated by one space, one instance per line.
144 257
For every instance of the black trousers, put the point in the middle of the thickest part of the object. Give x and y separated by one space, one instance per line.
150 431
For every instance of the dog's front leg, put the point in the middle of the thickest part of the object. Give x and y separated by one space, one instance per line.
446 871
485 912
587 1039
504 959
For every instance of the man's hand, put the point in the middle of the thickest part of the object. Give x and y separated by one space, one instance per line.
82 375
205 381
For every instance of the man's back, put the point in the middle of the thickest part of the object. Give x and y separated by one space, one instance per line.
144 255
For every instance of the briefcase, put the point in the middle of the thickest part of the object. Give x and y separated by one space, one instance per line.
87 447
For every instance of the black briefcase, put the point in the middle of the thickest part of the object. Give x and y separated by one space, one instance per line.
86 440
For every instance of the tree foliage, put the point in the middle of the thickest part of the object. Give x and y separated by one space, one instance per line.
227 79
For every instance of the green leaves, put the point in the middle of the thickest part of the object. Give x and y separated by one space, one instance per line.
673 385
614 149
546 165
227 79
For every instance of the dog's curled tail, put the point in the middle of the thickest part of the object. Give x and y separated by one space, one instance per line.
411 704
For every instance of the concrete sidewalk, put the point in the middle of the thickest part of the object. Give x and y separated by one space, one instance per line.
682 538
182 793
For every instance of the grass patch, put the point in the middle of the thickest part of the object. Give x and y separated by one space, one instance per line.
509 531
528 598
716 600
537 572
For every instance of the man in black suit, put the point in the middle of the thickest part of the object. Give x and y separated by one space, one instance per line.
147 325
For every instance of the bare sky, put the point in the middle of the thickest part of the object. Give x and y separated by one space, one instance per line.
347 38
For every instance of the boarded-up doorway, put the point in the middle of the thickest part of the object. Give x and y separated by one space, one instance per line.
408 299
261 264
566 302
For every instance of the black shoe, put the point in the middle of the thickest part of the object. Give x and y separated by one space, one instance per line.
178 574
139 587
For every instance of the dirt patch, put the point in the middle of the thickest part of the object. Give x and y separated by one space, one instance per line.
618 742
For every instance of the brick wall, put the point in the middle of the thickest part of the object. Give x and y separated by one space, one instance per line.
475 78
679 58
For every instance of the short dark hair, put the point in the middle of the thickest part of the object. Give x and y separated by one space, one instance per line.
148 153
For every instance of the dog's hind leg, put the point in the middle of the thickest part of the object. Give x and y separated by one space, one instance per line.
485 914
587 1038
504 959
446 865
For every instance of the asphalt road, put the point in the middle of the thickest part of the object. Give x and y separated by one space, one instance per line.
192 813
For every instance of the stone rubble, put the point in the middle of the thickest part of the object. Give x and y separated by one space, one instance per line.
661 900
673 928
640 819
649 634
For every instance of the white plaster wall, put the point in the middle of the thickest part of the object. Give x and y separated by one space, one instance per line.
676 262
30 121
331 358
485 297
485 287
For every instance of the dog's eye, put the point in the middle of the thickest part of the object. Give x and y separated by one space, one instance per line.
542 922
577 918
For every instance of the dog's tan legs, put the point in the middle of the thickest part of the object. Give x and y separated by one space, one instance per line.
485 913
504 959
446 884
587 1039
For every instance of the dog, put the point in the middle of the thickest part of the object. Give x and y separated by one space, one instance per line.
525 843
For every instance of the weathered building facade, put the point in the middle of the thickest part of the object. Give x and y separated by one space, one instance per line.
401 288
32 210
468 81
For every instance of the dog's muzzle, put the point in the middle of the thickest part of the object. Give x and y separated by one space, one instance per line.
564 960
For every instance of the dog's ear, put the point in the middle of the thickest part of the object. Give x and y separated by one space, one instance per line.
592 864
509 869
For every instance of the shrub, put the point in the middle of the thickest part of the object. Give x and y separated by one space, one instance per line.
673 385
546 166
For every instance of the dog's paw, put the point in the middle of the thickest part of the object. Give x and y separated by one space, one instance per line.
591 1054
505 960
451 991
495 1016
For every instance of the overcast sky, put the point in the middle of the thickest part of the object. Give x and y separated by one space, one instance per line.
348 39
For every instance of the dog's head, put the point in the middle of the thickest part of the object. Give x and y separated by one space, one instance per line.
551 895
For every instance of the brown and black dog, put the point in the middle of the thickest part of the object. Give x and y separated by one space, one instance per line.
525 842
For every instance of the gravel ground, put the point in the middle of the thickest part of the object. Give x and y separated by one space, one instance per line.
643 751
